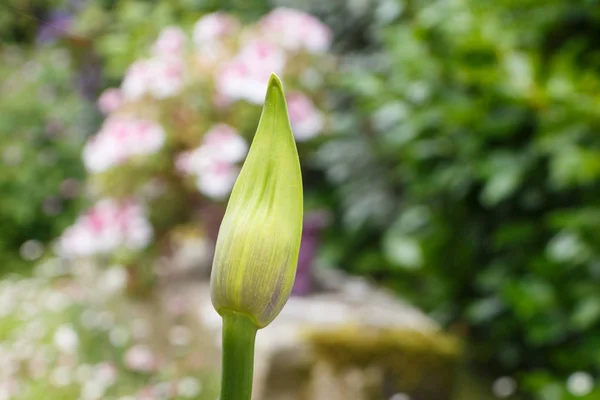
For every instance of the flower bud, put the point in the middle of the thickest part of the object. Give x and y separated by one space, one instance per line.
259 239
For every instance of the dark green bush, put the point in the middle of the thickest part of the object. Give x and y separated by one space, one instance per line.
469 175
43 122
20 20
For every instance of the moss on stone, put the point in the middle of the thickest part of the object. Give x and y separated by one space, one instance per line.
422 364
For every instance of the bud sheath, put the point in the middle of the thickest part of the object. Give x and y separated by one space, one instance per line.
259 239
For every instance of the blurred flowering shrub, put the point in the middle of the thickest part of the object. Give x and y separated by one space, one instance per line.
178 127
123 31
105 227
42 128
73 335
469 178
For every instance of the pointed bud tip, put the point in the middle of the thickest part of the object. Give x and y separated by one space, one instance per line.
275 90
275 81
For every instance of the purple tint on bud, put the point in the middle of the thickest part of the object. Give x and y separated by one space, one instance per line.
313 224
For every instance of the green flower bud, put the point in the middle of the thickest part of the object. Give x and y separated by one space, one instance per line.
257 248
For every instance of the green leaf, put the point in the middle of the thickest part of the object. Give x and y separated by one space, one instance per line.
259 239
586 313
403 250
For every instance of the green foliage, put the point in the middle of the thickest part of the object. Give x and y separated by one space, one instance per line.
42 128
470 175
21 19
124 30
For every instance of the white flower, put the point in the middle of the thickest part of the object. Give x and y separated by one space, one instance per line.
167 77
61 376
56 301
106 227
92 390
247 75
8 389
236 81
110 100
213 163
226 143
296 30
189 387
212 27
114 279
215 175
137 80
180 335
120 139
504 386
306 120
118 336
171 41
66 339
140 358
218 179
161 77
8 303
580 383
106 374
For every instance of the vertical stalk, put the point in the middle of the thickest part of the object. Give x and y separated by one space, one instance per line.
239 334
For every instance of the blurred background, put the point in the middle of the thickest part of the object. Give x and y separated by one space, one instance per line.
451 161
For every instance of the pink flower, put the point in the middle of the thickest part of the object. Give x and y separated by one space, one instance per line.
213 163
9 387
225 143
106 227
160 77
296 30
306 120
120 139
261 56
110 100
171 41
237 81
146 393
194 162
106 374
184 162
137 80
140 358
213 27
217 178
168 77
247 75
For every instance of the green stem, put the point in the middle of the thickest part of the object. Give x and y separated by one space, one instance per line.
238 356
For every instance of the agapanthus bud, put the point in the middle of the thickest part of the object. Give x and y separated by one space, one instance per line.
257 247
